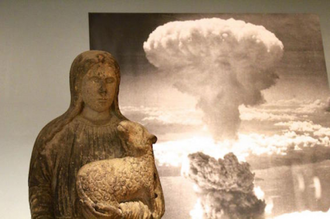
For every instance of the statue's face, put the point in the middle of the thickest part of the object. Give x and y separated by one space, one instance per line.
98 87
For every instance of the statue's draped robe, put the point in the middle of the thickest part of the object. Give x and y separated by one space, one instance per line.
54 165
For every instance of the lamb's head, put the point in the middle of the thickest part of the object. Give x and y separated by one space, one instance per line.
136 138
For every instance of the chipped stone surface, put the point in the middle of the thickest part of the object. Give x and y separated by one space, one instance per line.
94 130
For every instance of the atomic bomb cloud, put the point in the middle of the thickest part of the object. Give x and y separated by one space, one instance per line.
223 63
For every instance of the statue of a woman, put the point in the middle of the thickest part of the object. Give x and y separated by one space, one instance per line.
86 132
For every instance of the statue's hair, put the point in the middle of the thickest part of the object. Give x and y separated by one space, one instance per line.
79 68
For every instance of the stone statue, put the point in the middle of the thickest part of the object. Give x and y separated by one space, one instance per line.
92 162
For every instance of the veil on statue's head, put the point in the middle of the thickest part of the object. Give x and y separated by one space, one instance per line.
79 68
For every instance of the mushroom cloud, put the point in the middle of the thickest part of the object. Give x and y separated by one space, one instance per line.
223 63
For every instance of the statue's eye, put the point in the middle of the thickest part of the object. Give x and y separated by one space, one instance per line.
95 79
109 80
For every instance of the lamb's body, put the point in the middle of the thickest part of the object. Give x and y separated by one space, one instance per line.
114 181
108 183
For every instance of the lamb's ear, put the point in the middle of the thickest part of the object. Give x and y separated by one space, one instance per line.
122 130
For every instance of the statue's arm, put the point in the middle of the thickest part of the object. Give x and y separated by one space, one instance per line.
40 194
159 200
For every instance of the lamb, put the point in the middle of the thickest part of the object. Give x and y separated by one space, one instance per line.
117 185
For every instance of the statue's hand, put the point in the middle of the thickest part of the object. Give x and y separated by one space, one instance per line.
136 210
99 211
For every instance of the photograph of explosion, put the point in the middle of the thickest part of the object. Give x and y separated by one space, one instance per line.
239 103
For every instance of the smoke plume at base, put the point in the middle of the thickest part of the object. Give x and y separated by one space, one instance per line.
225 187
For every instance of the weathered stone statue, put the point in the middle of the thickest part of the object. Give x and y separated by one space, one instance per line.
92 162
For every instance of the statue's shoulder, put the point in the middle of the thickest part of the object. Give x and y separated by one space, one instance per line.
47 134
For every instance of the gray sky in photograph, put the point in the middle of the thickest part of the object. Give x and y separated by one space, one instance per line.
301 68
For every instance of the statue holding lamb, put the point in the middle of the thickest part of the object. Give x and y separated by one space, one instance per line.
122 187
91 162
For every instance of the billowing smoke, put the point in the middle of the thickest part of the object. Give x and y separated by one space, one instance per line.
223 63
225 187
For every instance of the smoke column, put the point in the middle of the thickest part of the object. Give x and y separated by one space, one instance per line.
223 63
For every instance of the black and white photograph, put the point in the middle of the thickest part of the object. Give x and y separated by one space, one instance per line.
219 88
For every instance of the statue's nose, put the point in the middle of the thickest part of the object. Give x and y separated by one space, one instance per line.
102 88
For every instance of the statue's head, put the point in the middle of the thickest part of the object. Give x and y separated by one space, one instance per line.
94 82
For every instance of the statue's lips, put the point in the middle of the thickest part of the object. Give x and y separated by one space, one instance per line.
102 100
